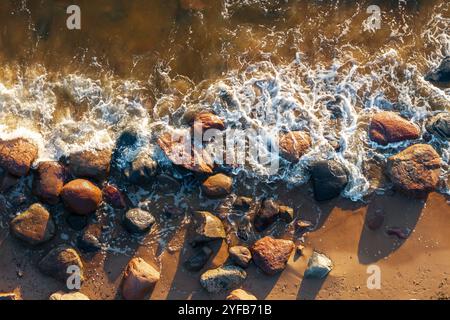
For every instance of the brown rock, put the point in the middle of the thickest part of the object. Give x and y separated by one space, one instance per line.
240 294
81 196
56 263
113 196
17 156
139 279
293 145
267 214
218 185
271 255
240 255
286 213
415 171
90 164
49 181
243 203
387 127
34 226
207 120
60 295
207 227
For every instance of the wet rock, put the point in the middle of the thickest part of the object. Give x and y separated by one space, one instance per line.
439 126
441 75
10 296
81 196
142 170
387 127
304 225
286 213
222 279
114 197
329 179
17 156
49 181
90 239
190 158
242 203
60 295
218 185
415 171
127 141
167 182
198 260
34 226
7 181
56 263
207 120
77 222
207 227
139 279
240 294
401 233
138 221
271 255
375 220
240 255
293 145
266 215
319 266
90 164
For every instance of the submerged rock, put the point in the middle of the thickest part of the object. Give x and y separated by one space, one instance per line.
415 171
319 266
34 226
198 260
60 295
441 75
139 279
222 279
242 203
293 145
113 196
56 263
7 181
138 221
218 185
271 255
240 255
49 181
91 164
142 170
387 127
266 215
240 294
208 120
90 239
81 196
207 227
329 179
439 126
77 222
17 156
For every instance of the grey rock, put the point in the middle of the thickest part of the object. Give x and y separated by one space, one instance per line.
138 220
198 260
222 279
319 265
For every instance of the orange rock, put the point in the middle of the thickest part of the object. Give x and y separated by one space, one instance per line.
293 145
207 120
17 156
81 196
90 164
271 255
139 279
218 185
49 181
387 127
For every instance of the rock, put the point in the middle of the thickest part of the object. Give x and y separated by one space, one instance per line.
304 225
127 142
441 75
198 260
240 294
56 263
195 5
401 233
375 220
286 213
240 255
113 196
300 248
139 279
90 164
34 226
415 171
266 215
329 179
17 156
190 158
77 222
60 295
142 170
7 181
10 296
207 120
90 239
49 181
271 255
138 221
293 145
319 265
81 196
439 126
218 185
387 127
242 203
222 279
207 227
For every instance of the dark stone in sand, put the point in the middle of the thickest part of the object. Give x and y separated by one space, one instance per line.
218 185
267 214
90 240
139 279
77 222
240 255
34 226
58 260
49 181
401 233
113 196
271 255
142 170
329 179
222 279
93 164
242 203
439 126
387 127
199 259
17 156
207 227
81 196
138 221
375 220
441 75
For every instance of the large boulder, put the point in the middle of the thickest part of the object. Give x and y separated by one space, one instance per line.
415 171
93 164
34 226
240 294
387 127
63 296
439 126
222 279
17 156
57 262
139 279
138 220
293 145
207 227
271 255
81 196
441 75
49 181
218 185
319 265
329 179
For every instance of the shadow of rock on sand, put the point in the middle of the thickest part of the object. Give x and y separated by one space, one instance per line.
309 289
399 212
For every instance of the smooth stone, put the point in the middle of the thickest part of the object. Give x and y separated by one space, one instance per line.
222 279
49 181
218 185
90 239
319 265
198 260
17 156
139 279
93 164
329 179
388 127
56 263
207 227
240 255
81 196
138 220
